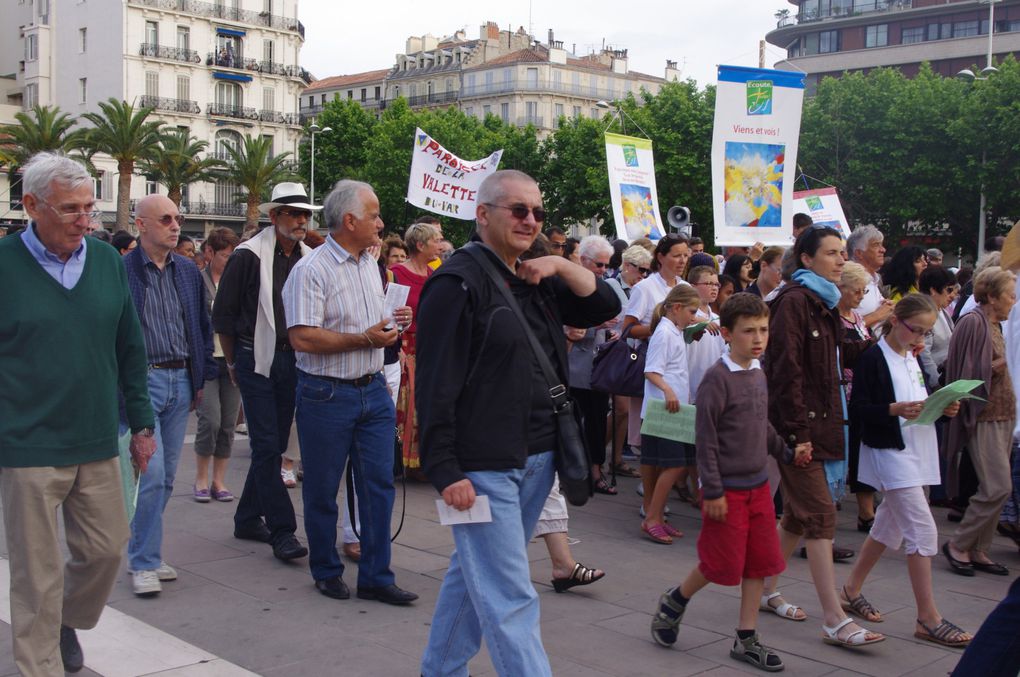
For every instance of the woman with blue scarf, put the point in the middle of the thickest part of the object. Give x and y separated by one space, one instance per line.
804 361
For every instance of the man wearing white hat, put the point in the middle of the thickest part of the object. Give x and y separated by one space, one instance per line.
248 316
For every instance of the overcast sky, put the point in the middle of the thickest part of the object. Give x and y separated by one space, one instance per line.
352 36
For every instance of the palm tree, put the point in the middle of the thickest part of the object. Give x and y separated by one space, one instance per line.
175 163
254 168
125 134
43 128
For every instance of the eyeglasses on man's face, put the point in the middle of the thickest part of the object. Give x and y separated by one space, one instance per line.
295 213
167 219
70 214
521 212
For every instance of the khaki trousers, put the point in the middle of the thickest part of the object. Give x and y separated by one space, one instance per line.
46 591
989 452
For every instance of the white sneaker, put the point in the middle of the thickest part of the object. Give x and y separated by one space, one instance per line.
289 480
165 572
241 429
146 583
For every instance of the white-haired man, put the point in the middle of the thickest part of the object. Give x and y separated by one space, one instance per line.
865 247
59 414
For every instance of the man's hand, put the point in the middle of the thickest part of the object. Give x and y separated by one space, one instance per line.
142 448
802 455
379 336
952 410
232 373
536 270
197 402
880 314
460 494
403 315
715 508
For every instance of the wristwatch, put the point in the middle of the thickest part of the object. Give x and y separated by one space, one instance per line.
146 432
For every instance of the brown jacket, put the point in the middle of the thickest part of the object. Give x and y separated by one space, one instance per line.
803 377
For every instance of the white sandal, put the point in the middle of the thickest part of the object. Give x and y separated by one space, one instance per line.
853 640
784 610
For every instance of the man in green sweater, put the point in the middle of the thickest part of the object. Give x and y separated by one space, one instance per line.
70 340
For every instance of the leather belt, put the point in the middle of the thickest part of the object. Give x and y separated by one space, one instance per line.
359 382
170 364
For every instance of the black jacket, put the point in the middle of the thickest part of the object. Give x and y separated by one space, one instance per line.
475 368
870 399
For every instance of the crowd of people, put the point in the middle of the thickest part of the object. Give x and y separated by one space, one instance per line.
806 367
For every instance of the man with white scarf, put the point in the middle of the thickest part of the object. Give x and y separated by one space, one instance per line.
248 316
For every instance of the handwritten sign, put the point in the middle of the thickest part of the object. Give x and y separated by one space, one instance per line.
659 422
443 183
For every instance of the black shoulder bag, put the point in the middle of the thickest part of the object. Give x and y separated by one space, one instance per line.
573 464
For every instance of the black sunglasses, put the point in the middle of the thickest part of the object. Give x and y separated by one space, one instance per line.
521 212
295 213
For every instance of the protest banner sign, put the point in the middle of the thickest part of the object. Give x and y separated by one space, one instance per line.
443 183
754 141
823 207
632 187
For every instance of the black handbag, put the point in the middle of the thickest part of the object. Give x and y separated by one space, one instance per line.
619 368
573 463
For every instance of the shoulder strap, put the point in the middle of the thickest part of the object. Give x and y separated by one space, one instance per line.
557 390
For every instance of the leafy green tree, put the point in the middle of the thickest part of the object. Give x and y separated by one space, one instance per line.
388 160
340 153
575 182
177 163
44 128
128 136
253 167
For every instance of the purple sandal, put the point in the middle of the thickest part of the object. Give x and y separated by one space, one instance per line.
222 495
202 495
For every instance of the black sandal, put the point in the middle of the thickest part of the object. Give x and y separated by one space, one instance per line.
752 651
945 633
864 525
603 487
581 575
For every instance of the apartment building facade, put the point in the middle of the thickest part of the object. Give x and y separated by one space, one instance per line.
828 37
504 73
220 69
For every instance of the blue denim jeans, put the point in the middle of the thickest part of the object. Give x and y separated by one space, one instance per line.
170 393
487 590
995 649
269 412
336 421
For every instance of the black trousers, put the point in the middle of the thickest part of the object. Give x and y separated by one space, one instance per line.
594 408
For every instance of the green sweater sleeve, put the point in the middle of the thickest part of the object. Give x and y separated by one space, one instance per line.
132 364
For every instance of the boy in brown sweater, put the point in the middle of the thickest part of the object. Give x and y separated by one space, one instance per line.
738 544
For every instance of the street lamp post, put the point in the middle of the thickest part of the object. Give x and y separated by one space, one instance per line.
314 129
986 72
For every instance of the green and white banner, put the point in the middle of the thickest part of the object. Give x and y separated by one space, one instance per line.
632 187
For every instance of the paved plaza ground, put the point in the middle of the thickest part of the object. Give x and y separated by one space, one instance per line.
235 610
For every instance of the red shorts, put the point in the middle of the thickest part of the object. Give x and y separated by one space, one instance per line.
746 545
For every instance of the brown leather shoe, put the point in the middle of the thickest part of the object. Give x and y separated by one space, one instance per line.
352 551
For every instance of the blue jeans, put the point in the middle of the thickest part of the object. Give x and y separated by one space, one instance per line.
487 590
170 393
269 412
995 649
336 421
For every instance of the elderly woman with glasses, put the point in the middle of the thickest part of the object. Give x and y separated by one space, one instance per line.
985 426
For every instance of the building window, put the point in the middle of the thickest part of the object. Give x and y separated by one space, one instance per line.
594 83
594 113
183 88
151 187
268 99
910 36
183 38
559 110
97 185
350 94
533 78
229 94
82 40
378 92
364 94
508 77
965 29
876 36
268 51
946 31
469 111
488 81
311 101
322 99
31 95
577 112
504 112
1010 26
228 51
226 138
32 48
269 138
151 83
828 42
151 33
83 90
531 110
486 111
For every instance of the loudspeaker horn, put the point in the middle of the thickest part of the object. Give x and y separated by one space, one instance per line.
679 219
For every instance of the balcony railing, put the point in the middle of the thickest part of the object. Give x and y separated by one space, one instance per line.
515 85
219 11
171 53
231 111
434 98
172 105
235 59
525 120
857 7
279 118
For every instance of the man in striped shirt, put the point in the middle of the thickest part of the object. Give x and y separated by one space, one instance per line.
333 301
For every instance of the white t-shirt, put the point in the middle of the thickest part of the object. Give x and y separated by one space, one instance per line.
916 465
704 353
647 294
872 297
667 356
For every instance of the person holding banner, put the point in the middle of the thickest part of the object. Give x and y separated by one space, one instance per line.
900 459
806 404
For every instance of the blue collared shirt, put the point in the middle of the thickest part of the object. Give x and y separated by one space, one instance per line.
67 273
162 315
